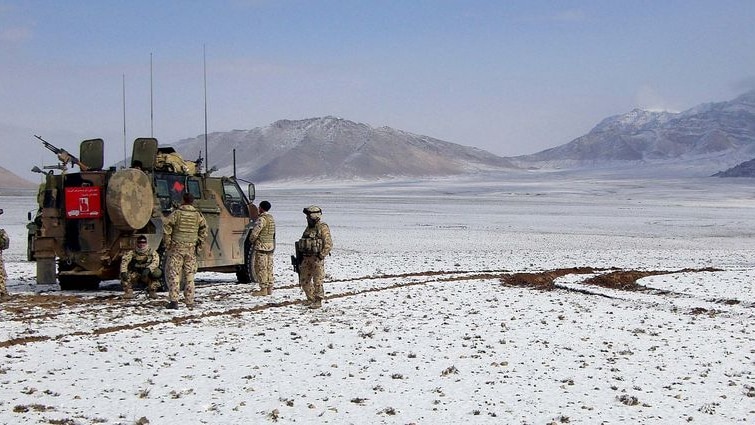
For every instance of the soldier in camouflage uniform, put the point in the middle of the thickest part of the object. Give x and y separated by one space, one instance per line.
262 238
314 245
4 244
141 264
184 232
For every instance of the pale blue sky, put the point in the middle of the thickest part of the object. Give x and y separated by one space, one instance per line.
511 77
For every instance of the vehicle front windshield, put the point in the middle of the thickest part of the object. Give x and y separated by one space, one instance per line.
234 199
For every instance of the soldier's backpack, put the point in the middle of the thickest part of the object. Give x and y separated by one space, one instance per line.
173 162
4 240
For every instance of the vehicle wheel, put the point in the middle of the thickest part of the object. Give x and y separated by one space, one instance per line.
245 272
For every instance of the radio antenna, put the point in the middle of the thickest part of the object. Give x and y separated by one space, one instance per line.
206 151
124 121
151 103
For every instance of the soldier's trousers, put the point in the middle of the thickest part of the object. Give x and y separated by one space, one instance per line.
263 268
311 276
3 276
181 264
136 277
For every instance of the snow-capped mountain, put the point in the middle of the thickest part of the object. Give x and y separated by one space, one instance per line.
700 141
335 148
721 133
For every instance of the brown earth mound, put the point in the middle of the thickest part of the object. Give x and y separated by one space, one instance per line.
543 280
625 280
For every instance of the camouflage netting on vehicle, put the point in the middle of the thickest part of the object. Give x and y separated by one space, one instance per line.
129 199
174 163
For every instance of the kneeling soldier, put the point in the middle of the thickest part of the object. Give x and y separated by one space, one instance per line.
140 265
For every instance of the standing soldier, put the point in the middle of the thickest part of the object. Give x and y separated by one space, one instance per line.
263 242
315 244
4 244
140 265
184 233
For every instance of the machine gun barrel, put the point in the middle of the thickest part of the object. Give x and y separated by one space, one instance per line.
62 154
36 169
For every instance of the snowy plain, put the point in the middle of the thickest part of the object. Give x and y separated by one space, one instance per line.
448 301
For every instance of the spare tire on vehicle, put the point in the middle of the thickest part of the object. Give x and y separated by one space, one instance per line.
129 199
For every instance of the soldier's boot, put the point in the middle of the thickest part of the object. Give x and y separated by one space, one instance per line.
317 303
260 293
270 290
128 294
151 293
173 305
4 297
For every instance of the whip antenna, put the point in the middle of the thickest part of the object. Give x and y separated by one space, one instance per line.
206 151
151 103
124 121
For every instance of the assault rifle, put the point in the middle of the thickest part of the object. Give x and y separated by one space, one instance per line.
63 155
296 259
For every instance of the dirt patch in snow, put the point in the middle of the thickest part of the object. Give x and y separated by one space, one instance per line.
543 280
625 280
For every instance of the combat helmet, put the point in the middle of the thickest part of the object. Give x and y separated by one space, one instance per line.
313 211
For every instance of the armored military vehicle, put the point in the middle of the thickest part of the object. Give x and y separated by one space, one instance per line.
88 219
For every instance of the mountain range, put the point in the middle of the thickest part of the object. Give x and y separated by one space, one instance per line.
719 134
705 139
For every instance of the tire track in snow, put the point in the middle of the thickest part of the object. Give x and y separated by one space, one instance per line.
544 280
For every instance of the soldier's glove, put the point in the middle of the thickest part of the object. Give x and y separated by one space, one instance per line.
145 273
198 248
156 274
124 276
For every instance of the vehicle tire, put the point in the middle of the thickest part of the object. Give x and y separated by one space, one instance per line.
245 272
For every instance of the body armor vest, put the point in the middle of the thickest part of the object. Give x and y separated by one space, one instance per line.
311 242
186 227
4 240
267 235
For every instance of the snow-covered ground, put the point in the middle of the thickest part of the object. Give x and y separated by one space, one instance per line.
450 301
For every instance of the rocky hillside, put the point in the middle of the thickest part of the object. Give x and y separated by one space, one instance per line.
745 169
723 132
9 180
335 148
